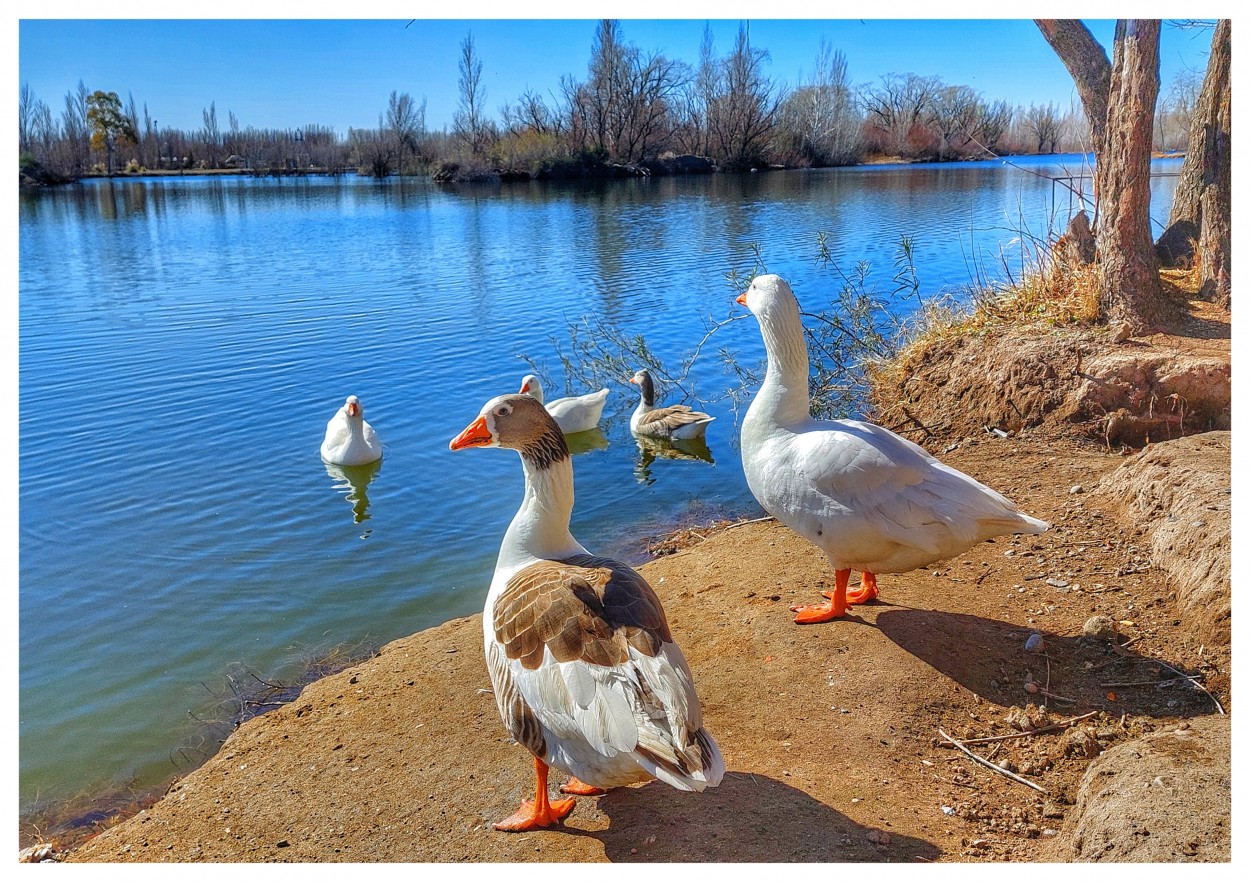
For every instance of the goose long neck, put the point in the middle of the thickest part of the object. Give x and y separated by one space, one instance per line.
785 383
540 528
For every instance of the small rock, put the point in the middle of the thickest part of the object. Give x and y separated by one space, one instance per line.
35 854
1030 688
947 810
282 843
1035 643
1076 488
880 837
1120 331
1057 583
1099 626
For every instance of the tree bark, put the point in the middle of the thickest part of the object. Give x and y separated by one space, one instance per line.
1200 154
1204 192
1119 99
1128 267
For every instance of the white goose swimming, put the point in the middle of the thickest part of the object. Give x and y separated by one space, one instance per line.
349 439
585 671
578 413
870 499
677 421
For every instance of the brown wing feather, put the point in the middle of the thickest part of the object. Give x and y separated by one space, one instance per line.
584 607
673 416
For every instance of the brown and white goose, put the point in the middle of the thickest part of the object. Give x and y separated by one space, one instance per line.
677 421
870 499
585 671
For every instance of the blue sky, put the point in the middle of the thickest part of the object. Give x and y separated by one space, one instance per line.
340 73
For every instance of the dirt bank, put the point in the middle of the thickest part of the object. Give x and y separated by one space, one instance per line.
830 732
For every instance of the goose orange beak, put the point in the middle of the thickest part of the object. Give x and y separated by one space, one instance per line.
742 298
632 380
476 435
353 409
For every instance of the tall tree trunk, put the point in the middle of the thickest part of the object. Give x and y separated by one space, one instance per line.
1128 266
1206 176
1119 99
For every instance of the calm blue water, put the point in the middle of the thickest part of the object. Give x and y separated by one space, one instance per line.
184 340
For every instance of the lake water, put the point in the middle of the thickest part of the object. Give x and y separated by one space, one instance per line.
183 342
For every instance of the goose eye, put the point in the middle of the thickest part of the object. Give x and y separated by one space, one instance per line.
503 410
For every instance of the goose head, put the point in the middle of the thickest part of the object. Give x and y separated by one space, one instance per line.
769 297
353 408
516 422
533 387
642 379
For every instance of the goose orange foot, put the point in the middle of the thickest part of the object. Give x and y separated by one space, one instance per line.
580 788
540 812
865 592
811 614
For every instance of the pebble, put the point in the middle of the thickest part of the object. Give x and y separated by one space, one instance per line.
880 837
1056 583
1099 626
1077 488
1035 643
947 810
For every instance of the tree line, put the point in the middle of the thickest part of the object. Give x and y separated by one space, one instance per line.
633 111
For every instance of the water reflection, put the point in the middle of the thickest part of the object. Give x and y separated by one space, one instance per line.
651 449
352 482
585 442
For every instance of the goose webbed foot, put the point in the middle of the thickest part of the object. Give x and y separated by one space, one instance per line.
580 788
540 812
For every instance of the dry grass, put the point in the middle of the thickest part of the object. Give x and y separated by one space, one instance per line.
1055 294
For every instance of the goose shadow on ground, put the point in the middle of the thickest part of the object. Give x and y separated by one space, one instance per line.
747 818
987 657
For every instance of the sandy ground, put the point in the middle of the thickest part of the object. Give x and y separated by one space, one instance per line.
830 732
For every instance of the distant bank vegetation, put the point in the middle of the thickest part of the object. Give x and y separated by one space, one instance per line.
635 112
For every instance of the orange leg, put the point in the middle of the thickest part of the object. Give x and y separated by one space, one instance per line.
580 788
865 592
541 812
809 614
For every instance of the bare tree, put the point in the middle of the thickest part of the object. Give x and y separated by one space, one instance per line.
1119 98
1042 122
821 116
897 105
1204 193
405 123
743 111
210 135
953 115
992 124
469 124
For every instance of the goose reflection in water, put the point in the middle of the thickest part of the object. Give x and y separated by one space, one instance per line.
651 449
352 481
585 442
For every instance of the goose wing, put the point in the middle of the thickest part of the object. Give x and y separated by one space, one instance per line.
902 490
582 650
672 417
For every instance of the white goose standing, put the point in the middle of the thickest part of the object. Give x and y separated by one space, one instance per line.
349 440
676 422
585 671
870 499
578 413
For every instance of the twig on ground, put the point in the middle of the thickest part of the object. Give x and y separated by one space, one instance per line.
1219 707
1044 729
1168 682
988 764
751 521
